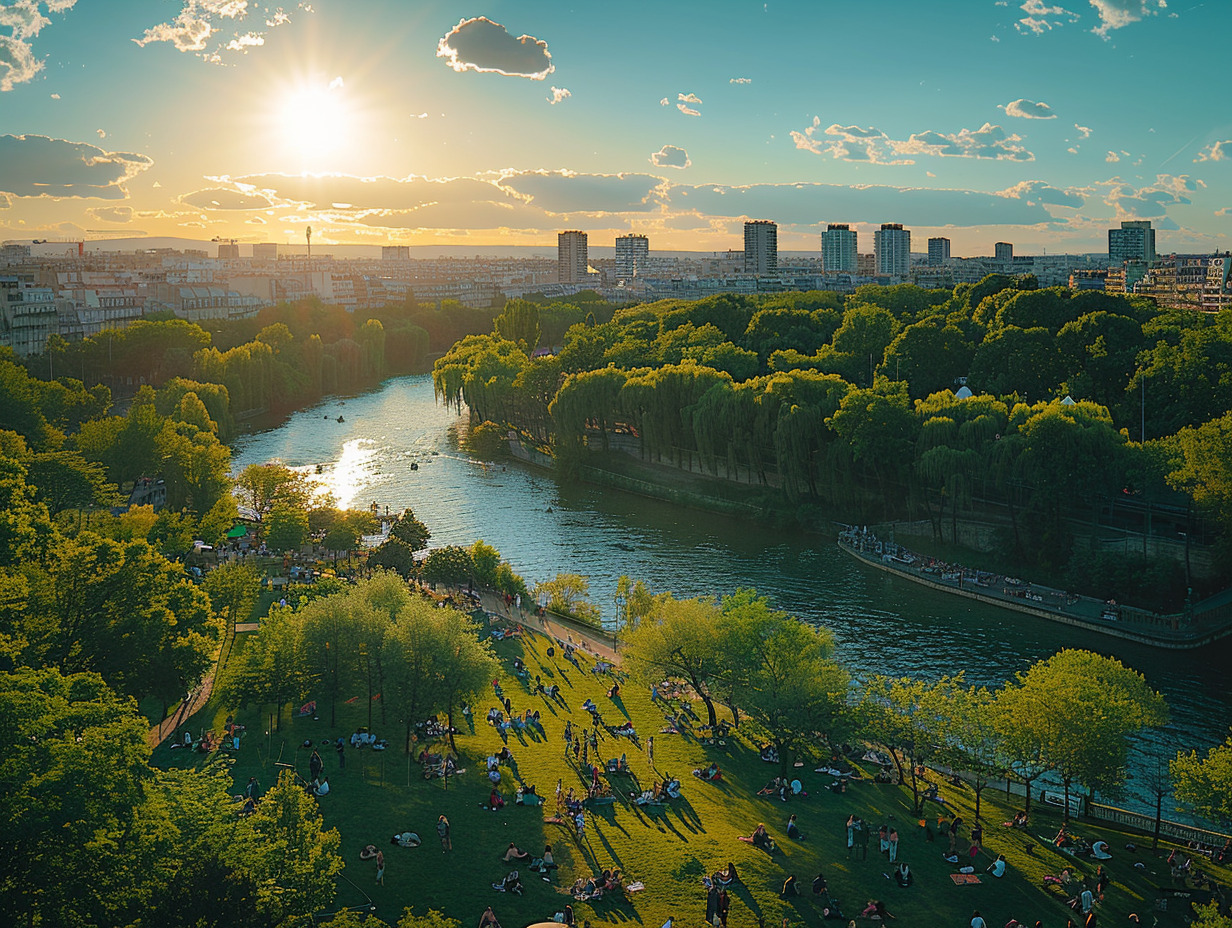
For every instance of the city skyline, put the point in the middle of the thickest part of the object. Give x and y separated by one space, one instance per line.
981 122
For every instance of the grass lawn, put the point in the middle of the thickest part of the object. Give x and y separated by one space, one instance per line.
670 847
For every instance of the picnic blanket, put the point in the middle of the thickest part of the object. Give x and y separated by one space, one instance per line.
964 879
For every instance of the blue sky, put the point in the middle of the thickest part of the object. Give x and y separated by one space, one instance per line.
1040 122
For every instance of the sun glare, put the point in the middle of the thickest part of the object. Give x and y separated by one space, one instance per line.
314 121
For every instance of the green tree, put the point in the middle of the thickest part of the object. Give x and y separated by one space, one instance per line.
262 485
1205 783
450 565
292 857
906 716
1081 708
519 323
408 529
66 480
681 638
395 554
568 594
790 685
61 732
286 527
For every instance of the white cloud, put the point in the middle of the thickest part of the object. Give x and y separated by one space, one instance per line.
688 110
665 102
480 44
1041 17
1152 200
1112 157
558 94
200 20
24 20
871 145
1216 151
55 96
102 133
1028 109
246 41
1037 191
689 98
1116 14
1086 132
741 80
670 156
38 166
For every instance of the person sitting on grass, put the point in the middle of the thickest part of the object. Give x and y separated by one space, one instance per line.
793 830
495 800
819 885
903 876
997 867
759 838
322 788
513 852
614 691
488 919
546 862
790 888
771 788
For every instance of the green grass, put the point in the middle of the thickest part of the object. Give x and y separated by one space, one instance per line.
669 848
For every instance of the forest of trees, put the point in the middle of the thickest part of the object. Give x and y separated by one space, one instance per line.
851 406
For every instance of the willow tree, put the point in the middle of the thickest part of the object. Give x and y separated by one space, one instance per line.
519 323
585 397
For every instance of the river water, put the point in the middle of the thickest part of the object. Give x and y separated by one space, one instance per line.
882 624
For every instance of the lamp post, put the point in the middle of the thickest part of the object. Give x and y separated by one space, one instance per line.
620 601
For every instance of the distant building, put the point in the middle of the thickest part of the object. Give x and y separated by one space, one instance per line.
892 246
1134 241
395 252
866 265
29 315
571 258
761 247
631 254
1088 279
1003 251
839 253
265 251
228 251
938 250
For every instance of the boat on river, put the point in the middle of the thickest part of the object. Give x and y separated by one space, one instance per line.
1199 625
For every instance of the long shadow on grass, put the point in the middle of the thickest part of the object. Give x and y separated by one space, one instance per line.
688 817
620 705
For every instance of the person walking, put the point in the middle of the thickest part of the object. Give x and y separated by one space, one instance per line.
315 766
650 750
442 829
380 867
851 834
568 736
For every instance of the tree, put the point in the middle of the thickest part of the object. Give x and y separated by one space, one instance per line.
450 565
1080 709
286 527
567 594
395 554
519 323
408 529
1205 784
791 687
905 715
61 733
66 480
969 738
233 590
262 485
293 859
680 638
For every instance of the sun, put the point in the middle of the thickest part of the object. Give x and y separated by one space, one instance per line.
314 122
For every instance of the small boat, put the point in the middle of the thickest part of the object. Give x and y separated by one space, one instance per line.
340 419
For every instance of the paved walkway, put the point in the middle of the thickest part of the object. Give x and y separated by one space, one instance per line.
595 645
196 699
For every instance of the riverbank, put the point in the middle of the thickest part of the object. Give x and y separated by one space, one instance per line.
668 848
1204 624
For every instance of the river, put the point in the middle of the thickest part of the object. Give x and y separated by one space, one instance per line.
882 624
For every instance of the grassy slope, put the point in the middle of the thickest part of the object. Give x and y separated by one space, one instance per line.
669 848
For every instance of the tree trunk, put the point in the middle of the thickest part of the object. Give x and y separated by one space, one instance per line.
1065 811
1159 814
915 785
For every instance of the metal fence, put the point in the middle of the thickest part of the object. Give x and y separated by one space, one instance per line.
1146 823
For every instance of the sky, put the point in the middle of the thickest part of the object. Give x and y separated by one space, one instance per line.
500 122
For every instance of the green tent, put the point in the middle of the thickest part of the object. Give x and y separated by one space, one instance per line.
238 532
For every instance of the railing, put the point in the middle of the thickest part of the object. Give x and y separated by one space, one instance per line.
1146 824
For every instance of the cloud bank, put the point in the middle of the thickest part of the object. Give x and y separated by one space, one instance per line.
24 20
1028 109
873 146
38 166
